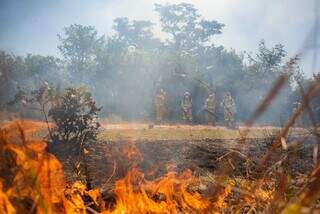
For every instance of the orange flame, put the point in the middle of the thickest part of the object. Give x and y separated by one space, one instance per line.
39 177
135 194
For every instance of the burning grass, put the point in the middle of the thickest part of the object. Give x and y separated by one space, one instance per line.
33 181
31 178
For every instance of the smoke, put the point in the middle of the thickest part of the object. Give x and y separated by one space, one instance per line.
31 26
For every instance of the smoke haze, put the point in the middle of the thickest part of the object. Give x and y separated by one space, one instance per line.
31 26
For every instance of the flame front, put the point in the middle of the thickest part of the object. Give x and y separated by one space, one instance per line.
34 181
168 194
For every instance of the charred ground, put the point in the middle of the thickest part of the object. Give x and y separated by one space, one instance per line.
200 148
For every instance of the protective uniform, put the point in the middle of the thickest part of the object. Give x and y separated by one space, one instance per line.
229 110
209 109
160 105
186 106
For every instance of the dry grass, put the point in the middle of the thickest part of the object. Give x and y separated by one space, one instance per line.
143 131
227 193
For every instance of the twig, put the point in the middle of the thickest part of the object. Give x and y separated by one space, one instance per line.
92 210
112 174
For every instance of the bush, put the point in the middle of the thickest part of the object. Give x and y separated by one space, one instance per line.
75 115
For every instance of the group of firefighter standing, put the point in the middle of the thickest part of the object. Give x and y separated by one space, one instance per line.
227 104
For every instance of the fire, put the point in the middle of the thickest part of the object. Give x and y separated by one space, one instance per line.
220 201
5 204
168 194
139 192
131 152
34 175
34 181
39 179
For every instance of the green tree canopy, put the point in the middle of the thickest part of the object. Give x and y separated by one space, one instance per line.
79 45
137 33
185 26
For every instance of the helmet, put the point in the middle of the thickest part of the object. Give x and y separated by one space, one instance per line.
132 49
186 93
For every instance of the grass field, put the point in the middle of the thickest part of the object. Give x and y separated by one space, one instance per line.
144 131
171 155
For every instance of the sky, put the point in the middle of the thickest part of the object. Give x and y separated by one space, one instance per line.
31 26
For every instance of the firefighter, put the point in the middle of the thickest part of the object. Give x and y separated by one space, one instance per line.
186 106
160 105
209 109
229 110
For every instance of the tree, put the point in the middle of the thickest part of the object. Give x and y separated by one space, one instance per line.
79 45
41 69
137 33
188 31
268 60
261 73
132 64
12 75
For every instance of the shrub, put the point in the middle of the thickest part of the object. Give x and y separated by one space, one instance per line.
75 115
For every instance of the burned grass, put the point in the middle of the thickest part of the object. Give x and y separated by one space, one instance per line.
157 176
153 160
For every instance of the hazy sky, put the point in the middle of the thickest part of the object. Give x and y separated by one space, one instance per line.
31 26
